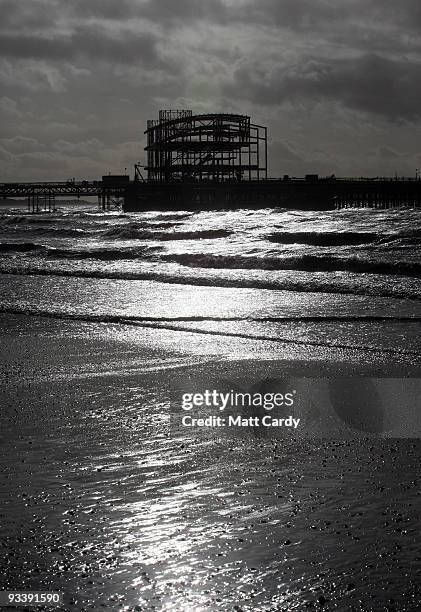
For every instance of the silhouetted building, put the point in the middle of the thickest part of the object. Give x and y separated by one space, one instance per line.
216 147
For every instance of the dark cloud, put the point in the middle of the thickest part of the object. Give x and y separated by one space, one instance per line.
320 15
185 11
295 14
159 11
103 9
370 83
79 79
91 42
284 151
315 15
20 144
311 15
404 14
388 153
19 14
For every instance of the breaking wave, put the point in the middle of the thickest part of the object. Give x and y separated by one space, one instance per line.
301 286
324 238
305 263
20 247
17 219
104 253
135 232
56 232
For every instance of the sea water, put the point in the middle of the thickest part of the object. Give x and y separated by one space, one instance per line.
348 278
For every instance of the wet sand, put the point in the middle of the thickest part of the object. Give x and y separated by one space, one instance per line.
104 499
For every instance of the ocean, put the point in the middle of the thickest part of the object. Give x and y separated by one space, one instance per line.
107 318
267 273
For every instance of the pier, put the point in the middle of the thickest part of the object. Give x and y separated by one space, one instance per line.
41 196
295 193
216 161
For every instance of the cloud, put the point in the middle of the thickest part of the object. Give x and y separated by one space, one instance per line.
40 13
295 14
370 83
5 155
162 12
185 11
20 14
88 147
103 9
90 42
45 162
9 107
20 144
388 153
32 75
284 151
81 78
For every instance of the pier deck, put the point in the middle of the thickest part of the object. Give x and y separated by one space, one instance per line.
311 193
41 196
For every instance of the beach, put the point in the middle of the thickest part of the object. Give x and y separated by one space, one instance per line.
103 500
108 498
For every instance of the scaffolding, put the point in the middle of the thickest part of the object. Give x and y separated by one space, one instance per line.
212 147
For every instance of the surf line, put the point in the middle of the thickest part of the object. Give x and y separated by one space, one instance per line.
163 324
169 279
133 320
278 339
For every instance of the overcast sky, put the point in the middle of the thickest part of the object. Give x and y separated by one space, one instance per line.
337 82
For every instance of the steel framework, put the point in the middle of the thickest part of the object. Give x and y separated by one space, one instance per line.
213 147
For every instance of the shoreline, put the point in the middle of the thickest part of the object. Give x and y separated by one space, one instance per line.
339 394
193 346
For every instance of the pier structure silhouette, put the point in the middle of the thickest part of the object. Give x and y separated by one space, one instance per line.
216 161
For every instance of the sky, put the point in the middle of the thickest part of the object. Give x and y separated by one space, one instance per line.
337 82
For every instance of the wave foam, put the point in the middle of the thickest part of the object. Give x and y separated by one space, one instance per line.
305 263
